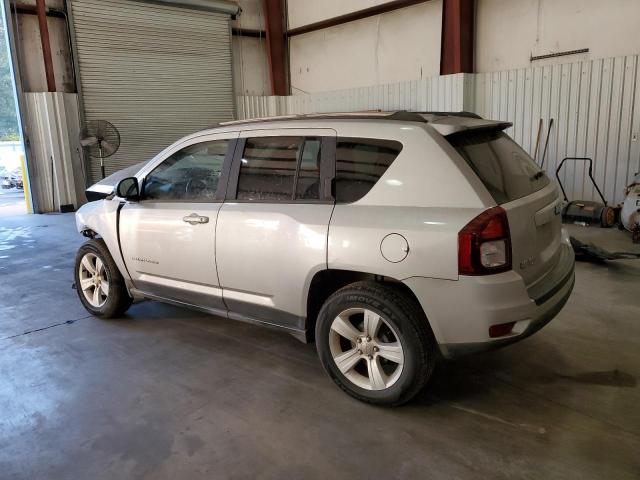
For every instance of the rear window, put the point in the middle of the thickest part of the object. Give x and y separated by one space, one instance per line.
507 171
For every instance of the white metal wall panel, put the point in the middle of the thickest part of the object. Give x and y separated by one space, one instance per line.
445 93
55 166
157 72
596 110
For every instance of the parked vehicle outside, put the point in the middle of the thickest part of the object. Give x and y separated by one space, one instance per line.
10 168
392 240
15 180
11 180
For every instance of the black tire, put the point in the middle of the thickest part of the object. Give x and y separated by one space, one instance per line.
411 327
607 217
118 299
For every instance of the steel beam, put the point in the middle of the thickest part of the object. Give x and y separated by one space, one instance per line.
26 9
456 49
353 16
41 10
276 45
248 32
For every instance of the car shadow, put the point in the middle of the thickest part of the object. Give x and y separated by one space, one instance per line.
531 366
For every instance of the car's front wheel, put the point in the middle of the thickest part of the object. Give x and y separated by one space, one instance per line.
99 284
375 343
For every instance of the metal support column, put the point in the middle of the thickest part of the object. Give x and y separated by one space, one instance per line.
46 45
276 45
457 47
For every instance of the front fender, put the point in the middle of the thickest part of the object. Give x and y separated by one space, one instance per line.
101 217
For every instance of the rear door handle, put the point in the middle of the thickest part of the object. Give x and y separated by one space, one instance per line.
194 219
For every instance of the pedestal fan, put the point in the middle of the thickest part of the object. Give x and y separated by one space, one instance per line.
101 140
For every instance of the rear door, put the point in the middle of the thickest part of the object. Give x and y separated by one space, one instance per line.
519 186
272 229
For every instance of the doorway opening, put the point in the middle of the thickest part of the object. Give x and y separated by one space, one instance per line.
13 175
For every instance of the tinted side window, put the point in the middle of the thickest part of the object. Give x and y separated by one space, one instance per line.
191 174
360 162
273 168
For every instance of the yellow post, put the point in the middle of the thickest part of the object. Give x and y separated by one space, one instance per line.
25 185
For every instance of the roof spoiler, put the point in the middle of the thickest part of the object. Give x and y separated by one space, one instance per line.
454 114
450 128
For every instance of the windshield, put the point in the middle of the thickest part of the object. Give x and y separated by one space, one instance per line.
507 171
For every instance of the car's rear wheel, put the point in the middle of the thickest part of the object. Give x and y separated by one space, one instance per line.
99 284
375 343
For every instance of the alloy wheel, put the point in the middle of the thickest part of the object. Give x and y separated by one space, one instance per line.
366 349
94 280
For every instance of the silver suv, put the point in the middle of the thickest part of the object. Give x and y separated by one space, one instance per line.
391 239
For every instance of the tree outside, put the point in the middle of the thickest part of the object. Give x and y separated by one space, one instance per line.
12 200
8 117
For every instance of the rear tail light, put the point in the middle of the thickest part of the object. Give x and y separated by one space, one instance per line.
484 244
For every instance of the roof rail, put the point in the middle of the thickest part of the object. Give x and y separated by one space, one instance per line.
399 115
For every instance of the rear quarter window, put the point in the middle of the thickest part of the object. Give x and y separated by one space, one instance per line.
505 169
360 162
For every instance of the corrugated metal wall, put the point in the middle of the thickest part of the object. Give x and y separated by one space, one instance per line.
595 106
596 110
444 93
55 165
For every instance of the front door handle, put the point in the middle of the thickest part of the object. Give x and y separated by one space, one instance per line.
194 219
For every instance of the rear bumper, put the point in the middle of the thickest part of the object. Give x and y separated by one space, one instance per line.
554 306
461 312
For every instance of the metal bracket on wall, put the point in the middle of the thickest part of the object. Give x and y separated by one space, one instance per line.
559 54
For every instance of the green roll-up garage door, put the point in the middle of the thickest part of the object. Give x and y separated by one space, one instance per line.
156 70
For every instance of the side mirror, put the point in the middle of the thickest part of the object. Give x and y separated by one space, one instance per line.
128 189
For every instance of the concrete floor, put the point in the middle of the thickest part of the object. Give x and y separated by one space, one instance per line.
167 393
12 202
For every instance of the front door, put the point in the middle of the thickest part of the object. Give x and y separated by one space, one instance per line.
168 237
272 229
